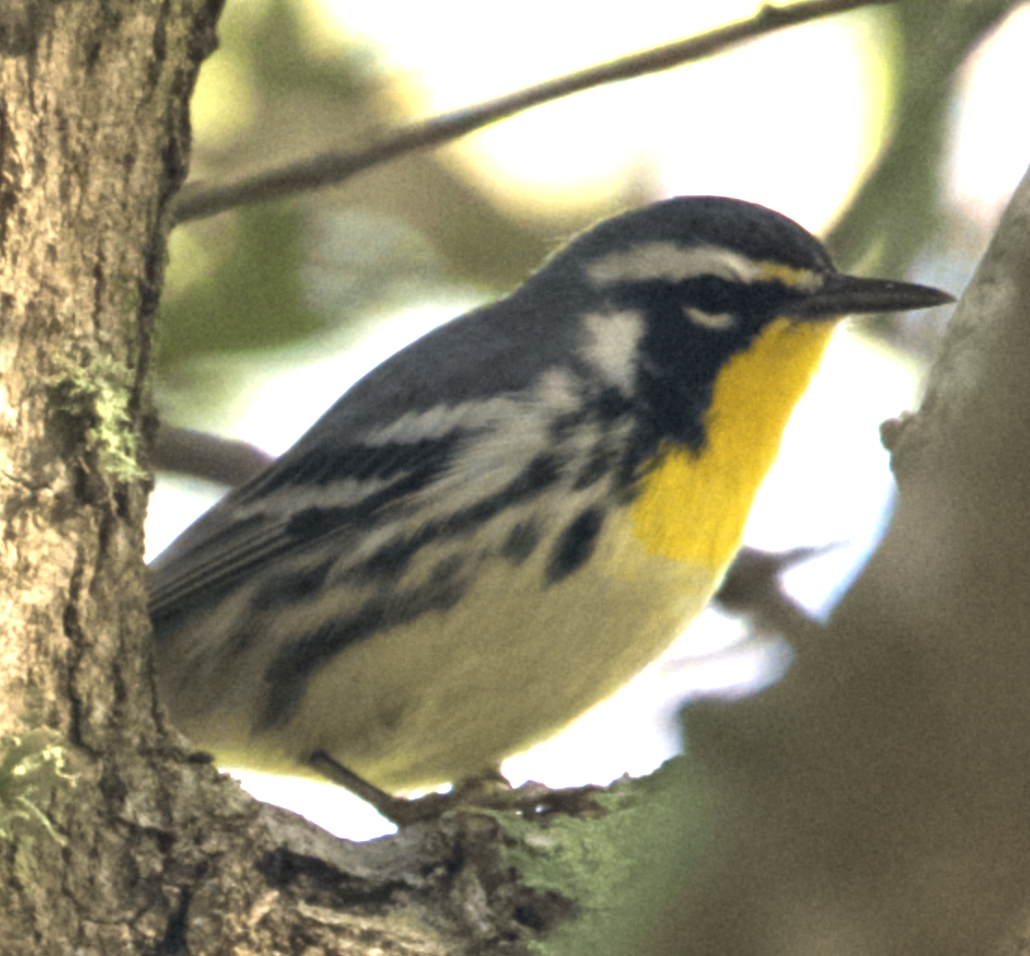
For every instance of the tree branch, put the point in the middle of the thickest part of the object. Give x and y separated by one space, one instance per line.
210 457
199 202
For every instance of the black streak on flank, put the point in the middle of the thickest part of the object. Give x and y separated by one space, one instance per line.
540 473
297 662
290 587
601 462
575 545
390 560
289 672
522 542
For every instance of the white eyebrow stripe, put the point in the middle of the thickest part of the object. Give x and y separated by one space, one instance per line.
666 260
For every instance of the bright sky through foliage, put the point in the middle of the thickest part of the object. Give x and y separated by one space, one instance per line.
789 121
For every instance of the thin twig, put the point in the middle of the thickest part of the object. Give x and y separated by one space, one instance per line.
199 202
198 455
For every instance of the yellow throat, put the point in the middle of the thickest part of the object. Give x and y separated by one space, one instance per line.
694 505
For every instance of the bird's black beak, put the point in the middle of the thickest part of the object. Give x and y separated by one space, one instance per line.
851 295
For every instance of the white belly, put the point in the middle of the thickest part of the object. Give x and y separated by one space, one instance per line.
454 692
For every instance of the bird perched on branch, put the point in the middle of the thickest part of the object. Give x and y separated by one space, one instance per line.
504 522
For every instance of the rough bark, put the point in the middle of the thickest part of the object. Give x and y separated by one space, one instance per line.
94 133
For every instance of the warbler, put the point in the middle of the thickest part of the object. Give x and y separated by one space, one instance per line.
504 522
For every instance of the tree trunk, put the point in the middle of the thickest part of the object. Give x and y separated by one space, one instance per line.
104 832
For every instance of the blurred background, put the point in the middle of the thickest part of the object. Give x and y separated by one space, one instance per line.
887 130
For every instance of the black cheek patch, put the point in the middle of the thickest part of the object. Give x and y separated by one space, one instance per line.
575 545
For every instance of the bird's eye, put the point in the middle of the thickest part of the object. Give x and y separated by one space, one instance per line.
711 294
711 302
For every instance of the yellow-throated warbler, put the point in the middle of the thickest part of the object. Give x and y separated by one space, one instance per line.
500 525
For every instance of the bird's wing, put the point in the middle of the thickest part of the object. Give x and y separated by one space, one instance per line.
310 494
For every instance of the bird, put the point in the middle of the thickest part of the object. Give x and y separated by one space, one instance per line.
501 524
